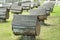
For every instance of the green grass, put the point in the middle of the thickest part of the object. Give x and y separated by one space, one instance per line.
51 32
56 11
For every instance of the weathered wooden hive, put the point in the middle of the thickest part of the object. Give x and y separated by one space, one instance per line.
25 25
49 6
26 5
7 6
46 11
37 3
3 13
41 12
15 8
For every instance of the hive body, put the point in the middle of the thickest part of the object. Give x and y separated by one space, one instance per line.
25 25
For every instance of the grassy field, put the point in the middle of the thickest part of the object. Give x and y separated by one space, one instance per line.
51 32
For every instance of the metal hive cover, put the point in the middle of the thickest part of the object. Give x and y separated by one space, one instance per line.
39 11
24 20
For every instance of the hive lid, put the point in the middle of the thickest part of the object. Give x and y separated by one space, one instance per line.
7 6
24 20
38 11
16 7
48 4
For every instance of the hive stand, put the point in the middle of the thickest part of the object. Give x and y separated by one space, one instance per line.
28 37
16 9
26 25
41 12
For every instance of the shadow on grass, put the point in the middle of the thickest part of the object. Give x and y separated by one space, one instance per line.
53 12
5 21
48 25
40 39
20 38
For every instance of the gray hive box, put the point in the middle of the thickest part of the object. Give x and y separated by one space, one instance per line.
48 9
44 8
15 8
25 25
49 6
26 5
7 5
38 11
19 3
41 12
3 13
37 4
15 4
32 4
